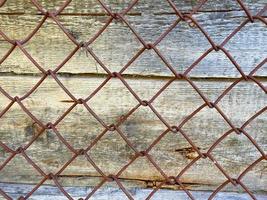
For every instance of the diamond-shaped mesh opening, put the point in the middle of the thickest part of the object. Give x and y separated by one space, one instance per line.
81 123
233 161
13 167
46 49
49 152
196 130
6 47
183 98
11 64
256 127
239 111
206 172
118 101
214 64
142 136
176 156
180 47
84 121
15 133
10 23
151 31
149 64
251 180
111 143
149 171
111 50
257 39
57 97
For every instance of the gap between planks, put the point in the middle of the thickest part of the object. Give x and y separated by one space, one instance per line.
129 76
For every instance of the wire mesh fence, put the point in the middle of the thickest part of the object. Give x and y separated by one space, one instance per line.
119 75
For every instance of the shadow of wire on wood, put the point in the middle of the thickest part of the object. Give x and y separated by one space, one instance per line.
174 129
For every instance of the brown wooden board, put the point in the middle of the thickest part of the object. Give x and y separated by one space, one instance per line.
79 128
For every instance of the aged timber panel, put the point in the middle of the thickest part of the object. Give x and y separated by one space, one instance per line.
82 74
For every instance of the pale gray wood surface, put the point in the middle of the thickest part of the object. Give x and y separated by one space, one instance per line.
81 75
172 153
181 47
158 6
48 192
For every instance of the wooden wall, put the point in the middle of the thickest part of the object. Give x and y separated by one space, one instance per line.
81 75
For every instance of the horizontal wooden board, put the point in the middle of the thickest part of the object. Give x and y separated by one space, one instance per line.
155 6
48 192
115 47
80 128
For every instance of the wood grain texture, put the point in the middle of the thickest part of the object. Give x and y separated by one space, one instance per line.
181 47
79 128
157 6
115 47
48 192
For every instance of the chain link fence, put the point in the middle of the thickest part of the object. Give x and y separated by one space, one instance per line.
119 75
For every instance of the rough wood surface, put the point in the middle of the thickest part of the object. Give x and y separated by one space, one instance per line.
181 47
157 6
172 153
81 75
48 192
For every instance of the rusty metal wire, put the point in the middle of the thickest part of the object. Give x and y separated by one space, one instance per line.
178 129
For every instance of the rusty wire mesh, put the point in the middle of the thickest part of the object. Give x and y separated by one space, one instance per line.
178 129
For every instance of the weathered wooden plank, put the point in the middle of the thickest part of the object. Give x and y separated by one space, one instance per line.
156 6
181 47
48 192
172 153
